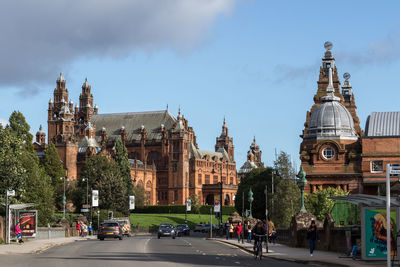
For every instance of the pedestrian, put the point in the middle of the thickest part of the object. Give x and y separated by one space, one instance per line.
90 228
227 228
231 228
17 231
271 232
239 230
248 232
312 236
259 234
78 227
84 229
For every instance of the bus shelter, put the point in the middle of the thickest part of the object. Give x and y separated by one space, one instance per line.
27 218
373 225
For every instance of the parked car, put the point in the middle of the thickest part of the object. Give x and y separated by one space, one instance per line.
206 228
199 227
182 229
125 224
110 229
166 229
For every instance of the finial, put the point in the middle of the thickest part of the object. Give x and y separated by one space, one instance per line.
86 79
224 121
328 45
40 127
179 113
330 88
346 76
167 107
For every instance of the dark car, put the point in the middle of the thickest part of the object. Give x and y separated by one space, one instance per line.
206 228
166 229
110 229
182 229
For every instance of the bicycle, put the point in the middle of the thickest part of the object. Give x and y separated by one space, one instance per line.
258 248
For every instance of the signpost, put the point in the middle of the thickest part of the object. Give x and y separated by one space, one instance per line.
188 208
131 202
217 206
95 198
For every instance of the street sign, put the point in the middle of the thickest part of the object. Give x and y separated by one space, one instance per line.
131 202
84 210
188 205
217 206
86 206
394 169
95 198
11 193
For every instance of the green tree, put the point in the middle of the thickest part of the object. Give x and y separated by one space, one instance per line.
53 167
318 202
104 176
284 167
20 128
140 195
287 202
38 189
195 203
12 172
121 158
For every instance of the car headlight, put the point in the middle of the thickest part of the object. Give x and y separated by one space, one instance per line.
159 230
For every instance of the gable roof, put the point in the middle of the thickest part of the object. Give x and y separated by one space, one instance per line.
381 124
132 121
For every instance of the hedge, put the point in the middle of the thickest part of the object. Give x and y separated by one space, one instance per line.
180 209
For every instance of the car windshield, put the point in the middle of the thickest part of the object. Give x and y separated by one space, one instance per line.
110 224
166 225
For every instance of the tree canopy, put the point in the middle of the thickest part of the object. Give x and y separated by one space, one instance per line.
121 158
318 202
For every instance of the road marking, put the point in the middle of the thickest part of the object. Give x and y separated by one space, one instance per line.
204 254
237 262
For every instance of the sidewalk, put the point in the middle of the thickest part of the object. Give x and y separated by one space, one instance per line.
302 255
38 245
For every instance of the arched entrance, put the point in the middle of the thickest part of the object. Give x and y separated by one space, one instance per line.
227 201
210 199
149 192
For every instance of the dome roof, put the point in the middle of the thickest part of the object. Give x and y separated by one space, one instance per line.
331 120
61 78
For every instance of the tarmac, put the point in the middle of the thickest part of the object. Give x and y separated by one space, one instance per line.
302 255
38 245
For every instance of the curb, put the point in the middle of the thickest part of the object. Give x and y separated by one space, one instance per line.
51 245
325 263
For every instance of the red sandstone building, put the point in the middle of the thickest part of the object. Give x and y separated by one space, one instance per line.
163 152
335 152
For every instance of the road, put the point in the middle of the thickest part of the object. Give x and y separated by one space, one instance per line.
141 251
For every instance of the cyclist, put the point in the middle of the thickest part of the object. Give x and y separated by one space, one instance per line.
259 234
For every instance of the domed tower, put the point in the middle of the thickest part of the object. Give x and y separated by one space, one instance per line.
331 149
86 110
225 142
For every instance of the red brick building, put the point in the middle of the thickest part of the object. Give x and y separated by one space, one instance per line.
335 152
163 152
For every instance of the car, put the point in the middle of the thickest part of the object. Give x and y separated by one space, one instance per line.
182 229
199 227
166 229
110 229
206 228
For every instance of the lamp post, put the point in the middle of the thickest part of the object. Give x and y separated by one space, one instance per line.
301 183
64 197
87 189
250 199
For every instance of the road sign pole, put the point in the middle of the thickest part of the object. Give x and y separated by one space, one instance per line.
7 224
388 232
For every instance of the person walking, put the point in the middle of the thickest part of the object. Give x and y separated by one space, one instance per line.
78 228
90 228
271 232
84 229
231 228
248 226
227 229
239 231
312 236
17 231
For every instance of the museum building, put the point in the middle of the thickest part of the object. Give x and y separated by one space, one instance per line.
162 150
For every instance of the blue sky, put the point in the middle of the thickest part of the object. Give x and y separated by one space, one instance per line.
254 62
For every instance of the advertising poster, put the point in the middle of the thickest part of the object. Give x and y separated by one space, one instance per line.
28 220
217 206
131 202
95 198
375 233
188 205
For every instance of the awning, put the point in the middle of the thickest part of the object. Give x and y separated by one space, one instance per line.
20 206
368 200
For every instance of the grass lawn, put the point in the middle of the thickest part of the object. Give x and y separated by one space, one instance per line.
149 219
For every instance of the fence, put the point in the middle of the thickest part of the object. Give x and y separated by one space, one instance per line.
50 232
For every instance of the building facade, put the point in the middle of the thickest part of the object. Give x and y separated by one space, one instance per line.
253 160
335 151
162 150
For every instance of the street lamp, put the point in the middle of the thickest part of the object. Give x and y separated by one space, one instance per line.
220 194
250 199
64 197
301 183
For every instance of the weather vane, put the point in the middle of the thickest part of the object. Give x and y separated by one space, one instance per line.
328 45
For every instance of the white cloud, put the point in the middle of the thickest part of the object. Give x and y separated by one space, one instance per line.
39 38
3 122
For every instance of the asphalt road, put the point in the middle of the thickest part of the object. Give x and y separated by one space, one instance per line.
141 251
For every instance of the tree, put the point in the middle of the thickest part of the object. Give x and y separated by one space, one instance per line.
38 189
104 176
140 195
318 202
53 167
284 167
286 202
121 158
195 202
12 172
20 128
